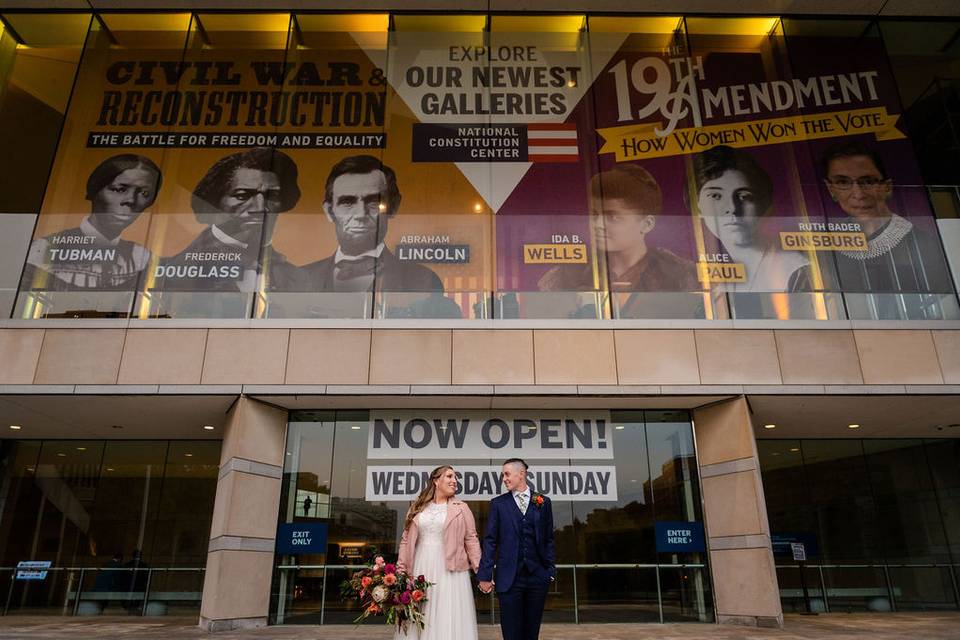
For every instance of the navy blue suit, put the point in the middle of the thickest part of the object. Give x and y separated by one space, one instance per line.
522 547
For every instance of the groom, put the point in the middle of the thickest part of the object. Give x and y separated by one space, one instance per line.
519 537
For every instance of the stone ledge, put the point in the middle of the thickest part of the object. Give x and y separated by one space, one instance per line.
241 543
232 624
767 622
731 543
242 465
724 468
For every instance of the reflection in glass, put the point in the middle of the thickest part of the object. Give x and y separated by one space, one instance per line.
877 518
134 515
617 595
35 87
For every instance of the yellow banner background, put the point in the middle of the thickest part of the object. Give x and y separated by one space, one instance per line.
639 142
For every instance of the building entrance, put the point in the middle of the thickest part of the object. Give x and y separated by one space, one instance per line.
612 477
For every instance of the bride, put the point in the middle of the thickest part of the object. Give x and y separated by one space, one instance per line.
440 542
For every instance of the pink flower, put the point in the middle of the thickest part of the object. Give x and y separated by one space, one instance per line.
390 579
405 597
365 581
378 560
390 568
417 595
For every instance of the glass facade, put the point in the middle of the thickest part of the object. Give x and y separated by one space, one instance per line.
879 519
124 525
608 566
478 166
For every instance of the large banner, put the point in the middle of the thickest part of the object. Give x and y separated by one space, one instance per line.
316 174
476 434
472 436
573 483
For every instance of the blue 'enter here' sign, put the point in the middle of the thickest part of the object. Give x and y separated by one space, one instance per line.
297 538
677 537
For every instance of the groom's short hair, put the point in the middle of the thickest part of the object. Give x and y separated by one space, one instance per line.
516 461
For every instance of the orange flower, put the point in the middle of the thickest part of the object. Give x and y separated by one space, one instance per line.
373 608
417 595
538 500
390 579
366 581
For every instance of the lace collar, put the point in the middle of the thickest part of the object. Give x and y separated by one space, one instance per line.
885 241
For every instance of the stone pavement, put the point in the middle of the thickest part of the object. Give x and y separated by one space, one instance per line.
838 626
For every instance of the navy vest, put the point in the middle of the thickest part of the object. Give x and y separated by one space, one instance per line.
528 542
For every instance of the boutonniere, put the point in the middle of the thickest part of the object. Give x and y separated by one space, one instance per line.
538 500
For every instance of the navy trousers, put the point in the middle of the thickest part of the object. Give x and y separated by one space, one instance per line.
521 607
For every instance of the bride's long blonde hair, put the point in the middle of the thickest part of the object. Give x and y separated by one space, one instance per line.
426 495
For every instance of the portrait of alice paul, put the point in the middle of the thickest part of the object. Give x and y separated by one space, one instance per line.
734 196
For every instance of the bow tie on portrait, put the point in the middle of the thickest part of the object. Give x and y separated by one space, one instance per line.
349 269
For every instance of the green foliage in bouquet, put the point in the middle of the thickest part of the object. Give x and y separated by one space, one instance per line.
382 590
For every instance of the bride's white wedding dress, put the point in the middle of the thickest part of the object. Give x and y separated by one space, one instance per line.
449 613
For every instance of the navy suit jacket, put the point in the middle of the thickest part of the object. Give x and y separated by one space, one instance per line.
501 541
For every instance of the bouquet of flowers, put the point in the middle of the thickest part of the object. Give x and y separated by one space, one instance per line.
383 591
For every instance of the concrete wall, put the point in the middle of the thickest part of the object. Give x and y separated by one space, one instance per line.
595 358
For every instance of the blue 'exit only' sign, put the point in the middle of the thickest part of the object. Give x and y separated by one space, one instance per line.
298 538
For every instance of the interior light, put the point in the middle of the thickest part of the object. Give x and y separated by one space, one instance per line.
355 427
527 24
775 453
109 468
477 207
188 455
794 449
619 427
769 426
16 427
664 25
81 448
348 23
571 83
475 23
853 426
754 26
208 427
61 455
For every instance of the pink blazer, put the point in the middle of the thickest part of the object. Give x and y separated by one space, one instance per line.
460 544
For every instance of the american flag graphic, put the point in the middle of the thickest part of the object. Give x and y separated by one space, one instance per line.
552 143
